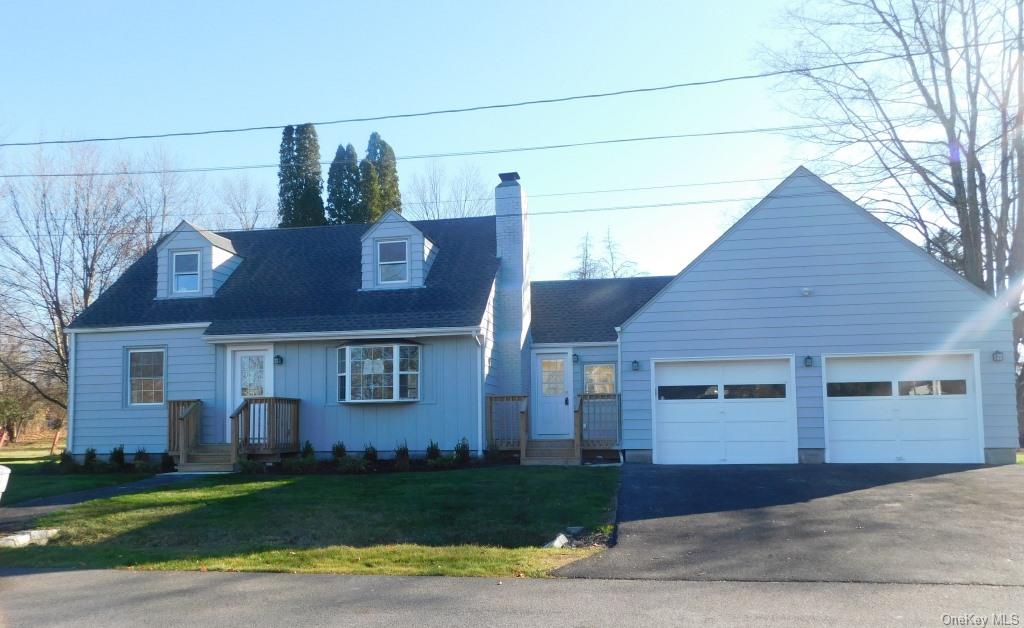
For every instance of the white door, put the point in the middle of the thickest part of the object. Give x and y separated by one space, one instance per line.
552 397
725 412
250 377
902 409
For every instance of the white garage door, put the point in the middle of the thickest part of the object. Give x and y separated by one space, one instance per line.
724 412
902 409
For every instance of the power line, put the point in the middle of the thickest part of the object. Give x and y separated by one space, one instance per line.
514 104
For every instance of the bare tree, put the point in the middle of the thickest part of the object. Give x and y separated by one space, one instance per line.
614 264
435 194
249 206
160 196
588 265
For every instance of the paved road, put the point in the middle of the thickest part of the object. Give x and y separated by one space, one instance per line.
935 524
118 598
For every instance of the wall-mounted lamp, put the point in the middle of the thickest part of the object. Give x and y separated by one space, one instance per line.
808 361
807 292
636 365
575 358
997 356
278 360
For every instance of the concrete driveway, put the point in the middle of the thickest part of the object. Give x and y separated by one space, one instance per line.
817 523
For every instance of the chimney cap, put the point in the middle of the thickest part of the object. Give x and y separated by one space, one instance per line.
507 177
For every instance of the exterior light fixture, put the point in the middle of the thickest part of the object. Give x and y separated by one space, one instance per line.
636 365
575 358
997 356
808 361
807 292
278 360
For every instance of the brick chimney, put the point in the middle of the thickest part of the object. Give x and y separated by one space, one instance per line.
512 289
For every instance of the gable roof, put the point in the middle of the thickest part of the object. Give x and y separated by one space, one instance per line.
587 310
308 279
216 240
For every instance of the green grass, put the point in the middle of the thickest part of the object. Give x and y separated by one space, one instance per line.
474 522
29 481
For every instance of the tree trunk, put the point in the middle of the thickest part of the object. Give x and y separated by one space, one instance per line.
56 437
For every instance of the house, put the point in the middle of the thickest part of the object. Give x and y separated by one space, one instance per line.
809 332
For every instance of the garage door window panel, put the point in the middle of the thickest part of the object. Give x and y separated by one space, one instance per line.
859 389
928 388
755 391
691 392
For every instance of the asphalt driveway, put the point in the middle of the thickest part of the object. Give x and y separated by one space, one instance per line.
817 523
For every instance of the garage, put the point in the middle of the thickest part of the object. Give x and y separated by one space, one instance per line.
902 408
724 411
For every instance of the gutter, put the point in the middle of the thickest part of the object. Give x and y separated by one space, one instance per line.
344 335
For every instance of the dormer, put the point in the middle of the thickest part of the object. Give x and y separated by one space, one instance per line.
193 262
396 254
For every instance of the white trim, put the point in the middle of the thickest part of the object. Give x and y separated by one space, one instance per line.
396 373
615 373
407 262
229 380
974 354
98 330
480 396
174 272
535 395
163 376
346 335
71 393
791 393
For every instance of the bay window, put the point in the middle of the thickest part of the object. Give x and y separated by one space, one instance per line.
378 373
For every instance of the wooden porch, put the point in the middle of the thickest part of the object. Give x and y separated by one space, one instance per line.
260 427
595 430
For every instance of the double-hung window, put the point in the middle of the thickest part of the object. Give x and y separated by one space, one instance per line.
379 373
393 261
145 377
599 379
185 271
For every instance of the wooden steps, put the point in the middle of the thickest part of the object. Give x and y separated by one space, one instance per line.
550 452
209 458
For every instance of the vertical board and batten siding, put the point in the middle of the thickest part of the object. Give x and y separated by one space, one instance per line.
101 414
394 227
872 293
215 264
448 409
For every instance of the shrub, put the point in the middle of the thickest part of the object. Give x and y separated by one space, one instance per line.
166 463
441 463
66 462
338 450
146 466
351 466
307 450
462 452
402 457
300 465
141 455
90 459
117 457
370 453
251 467
433 451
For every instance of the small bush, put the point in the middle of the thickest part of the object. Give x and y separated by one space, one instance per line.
251 467
433 451
370 453
117 457
441 463
90 459
338 450
307 450
351 466
166 463
66 462
402 457
141 455
146 466
301 465
462 452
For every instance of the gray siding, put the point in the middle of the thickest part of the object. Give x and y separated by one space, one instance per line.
394 227
448 410
101 414
215 264
872 293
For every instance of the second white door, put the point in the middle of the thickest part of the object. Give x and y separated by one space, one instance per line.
552 408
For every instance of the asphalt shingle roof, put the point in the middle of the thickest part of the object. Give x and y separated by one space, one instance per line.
587 310
308 280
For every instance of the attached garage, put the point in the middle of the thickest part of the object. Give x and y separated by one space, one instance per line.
902 408
724 411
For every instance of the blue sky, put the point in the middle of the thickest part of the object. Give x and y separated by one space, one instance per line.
109 68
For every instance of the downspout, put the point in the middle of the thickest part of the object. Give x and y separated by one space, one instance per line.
618 385
479 338
72 341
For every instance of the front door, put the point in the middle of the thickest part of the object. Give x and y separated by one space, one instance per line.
250 377
552 394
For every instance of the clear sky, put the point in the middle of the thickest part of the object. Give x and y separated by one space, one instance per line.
74 69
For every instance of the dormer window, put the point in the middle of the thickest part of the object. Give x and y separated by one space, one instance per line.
393 261
186 272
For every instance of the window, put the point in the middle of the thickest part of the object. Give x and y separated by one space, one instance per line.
186 271
859 389
919 388
599 379
755 391
368 373
699 391
145 377
393 261
552 377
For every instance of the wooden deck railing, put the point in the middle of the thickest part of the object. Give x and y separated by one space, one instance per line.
265 425
508 422
598 421
184 421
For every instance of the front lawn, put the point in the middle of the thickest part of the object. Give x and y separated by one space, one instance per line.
31 477
473 522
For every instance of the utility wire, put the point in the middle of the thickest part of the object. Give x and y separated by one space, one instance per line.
509 105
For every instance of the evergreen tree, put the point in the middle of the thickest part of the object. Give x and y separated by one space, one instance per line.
380 154
286 177
301 183
343 187
370 206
